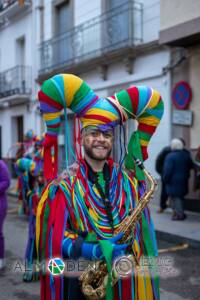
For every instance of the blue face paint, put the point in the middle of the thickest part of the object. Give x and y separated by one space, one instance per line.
104 129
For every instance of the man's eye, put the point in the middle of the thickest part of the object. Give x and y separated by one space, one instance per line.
108 135
94 134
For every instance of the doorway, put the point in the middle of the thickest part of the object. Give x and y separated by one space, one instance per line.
17 125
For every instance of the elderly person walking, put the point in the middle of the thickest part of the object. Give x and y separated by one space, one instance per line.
4 184
176 173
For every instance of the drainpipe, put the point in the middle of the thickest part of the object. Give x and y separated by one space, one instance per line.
38 38
41 9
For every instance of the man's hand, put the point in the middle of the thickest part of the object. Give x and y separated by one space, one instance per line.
93 250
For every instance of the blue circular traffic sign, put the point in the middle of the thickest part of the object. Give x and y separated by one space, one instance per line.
181 95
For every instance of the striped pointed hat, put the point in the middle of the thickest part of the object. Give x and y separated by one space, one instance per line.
69 91
25 165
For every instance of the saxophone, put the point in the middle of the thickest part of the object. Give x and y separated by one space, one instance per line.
94 278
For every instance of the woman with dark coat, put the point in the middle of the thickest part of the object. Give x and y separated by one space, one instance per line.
176 173
4 184
159 168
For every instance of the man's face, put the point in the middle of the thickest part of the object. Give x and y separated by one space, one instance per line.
97 144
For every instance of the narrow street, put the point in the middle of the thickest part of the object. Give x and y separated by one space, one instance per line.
180 276
11 284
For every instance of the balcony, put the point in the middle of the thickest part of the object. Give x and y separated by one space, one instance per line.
10 8
97 40
15 85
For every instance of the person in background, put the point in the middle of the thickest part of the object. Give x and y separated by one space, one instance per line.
31 273
197 157
176 173
197 170
29 141
20 152
159 168
4 184
29 173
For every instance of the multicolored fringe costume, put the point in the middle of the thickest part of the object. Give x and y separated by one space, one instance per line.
23 167
28 172
72 206
31 273
30 148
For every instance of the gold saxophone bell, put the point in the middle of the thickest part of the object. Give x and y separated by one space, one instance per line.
94 280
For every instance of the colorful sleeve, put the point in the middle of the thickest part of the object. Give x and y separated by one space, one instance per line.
50 225
53 234
74 246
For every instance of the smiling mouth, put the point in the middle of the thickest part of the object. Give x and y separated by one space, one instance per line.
100 148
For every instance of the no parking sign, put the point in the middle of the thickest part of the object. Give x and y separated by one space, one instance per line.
181 95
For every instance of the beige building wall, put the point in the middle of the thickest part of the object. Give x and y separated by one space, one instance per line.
175 12
195 104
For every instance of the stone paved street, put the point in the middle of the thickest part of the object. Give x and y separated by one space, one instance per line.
180 278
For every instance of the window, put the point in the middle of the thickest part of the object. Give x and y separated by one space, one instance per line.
116 24
63 41
20 51
17 125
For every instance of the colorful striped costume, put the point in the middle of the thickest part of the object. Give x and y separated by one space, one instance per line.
25 169
22 168
31 160
72 206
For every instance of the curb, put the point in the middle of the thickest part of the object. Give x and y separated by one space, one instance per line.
169 237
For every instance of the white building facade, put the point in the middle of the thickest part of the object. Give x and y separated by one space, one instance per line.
17 72
180 31
111 44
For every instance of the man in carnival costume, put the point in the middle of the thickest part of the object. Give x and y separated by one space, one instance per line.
22 167
78 213
30 173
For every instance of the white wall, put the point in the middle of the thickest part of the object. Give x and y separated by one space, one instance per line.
8 37
30 121
5 122
151 20
195 103
178 11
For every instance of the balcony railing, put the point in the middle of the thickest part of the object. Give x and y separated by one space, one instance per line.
112 31
15 81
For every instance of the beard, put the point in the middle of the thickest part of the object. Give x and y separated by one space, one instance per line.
91 154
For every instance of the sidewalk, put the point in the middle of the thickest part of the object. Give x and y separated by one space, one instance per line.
187 231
